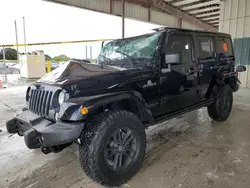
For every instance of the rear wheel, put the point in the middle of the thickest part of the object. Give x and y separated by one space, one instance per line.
113 147
15 71
221 108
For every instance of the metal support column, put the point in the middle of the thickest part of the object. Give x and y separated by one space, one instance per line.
90 51
149 13
123 18
24 34
16 42
179 20
86 51
4 58
111 6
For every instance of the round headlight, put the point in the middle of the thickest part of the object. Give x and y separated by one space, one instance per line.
61 97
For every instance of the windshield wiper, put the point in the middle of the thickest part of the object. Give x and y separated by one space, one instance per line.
106 59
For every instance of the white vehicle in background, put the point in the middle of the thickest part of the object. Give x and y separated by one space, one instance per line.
15 68
10 68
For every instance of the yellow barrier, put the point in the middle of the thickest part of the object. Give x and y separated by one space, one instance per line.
48 66
61 42
20 61
37 61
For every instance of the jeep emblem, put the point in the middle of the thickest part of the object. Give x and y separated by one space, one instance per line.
149 84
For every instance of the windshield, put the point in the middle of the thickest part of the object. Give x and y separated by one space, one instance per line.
131 52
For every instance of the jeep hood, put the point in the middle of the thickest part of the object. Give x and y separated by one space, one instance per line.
86 75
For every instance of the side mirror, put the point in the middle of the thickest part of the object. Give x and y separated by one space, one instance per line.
240 68
172 58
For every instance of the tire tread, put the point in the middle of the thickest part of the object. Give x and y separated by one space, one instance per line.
212 109
88 149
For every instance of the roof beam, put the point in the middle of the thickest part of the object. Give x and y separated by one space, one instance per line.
167 8
180 3
208 3
161 5
210 18
213 21
204 10
207 14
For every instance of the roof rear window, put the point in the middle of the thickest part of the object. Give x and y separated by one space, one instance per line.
225 46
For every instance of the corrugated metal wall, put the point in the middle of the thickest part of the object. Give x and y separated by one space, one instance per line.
131 11
235 19
163 18
98 5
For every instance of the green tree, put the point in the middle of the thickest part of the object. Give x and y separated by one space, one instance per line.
61 58
10 54
47 57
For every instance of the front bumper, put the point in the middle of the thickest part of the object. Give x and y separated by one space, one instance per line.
39 132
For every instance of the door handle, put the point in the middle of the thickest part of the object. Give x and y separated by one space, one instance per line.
191 71
214 67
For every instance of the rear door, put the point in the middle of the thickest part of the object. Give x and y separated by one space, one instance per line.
206 58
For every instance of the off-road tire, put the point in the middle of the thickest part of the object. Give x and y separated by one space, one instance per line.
217 111
93 139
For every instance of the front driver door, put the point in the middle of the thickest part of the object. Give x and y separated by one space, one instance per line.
178 88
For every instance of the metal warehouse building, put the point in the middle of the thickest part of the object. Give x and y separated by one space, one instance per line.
235 19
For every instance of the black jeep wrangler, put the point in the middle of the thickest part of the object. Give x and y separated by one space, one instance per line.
137 82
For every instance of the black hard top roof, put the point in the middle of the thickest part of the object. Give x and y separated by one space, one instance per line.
190 30
162 29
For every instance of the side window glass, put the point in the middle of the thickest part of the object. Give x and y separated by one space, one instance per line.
225 47
180 45
206 47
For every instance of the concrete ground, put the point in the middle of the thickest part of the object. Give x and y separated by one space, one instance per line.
14 80
190 152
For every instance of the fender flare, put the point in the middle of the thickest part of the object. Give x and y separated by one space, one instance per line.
70 110
222 80
226 79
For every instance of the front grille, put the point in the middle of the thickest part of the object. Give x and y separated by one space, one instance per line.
39 102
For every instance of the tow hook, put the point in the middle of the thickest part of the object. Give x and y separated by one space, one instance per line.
54 149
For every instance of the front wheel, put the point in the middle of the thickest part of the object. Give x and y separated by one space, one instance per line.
113 147
221 108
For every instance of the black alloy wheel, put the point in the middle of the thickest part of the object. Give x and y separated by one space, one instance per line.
120 149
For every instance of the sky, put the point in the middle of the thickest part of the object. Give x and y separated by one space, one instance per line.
47 22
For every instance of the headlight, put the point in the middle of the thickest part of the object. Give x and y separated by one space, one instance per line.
61 97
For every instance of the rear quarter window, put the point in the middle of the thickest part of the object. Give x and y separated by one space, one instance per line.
224 47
